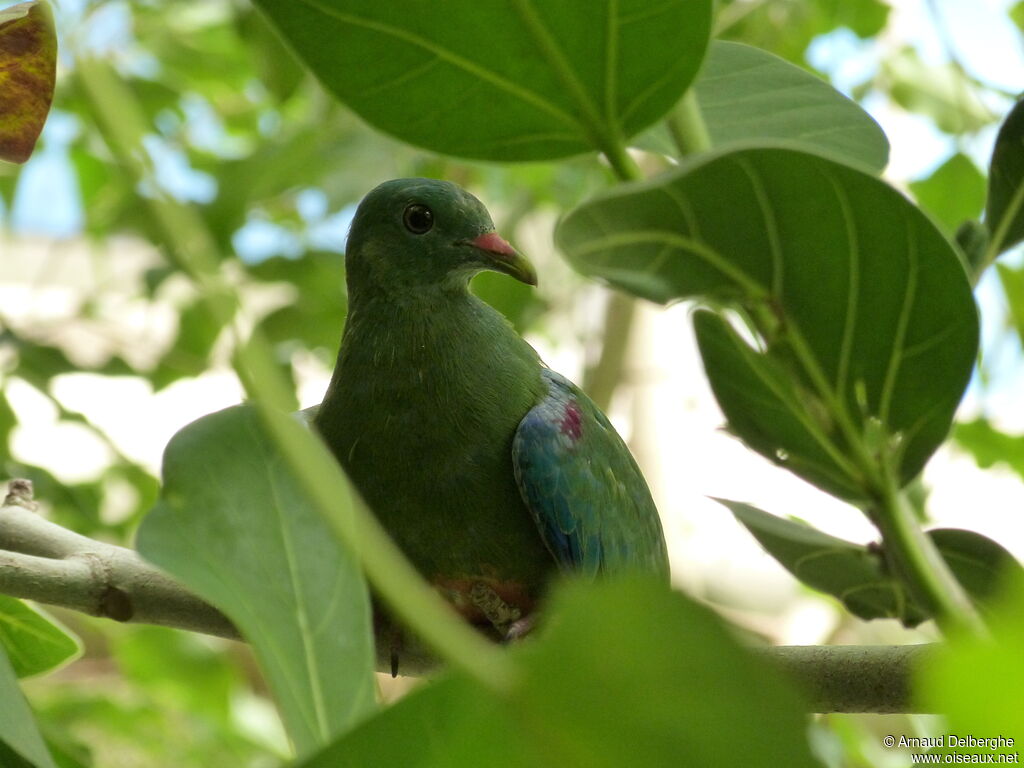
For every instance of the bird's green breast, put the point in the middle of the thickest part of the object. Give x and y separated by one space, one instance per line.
422 410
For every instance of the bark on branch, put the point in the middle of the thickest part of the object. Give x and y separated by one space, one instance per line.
853 678
44 562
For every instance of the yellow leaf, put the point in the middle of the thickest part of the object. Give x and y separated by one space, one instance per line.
28 66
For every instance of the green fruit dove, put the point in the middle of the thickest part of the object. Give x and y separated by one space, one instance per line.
491 471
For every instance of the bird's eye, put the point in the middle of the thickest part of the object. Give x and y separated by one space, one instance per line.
418 219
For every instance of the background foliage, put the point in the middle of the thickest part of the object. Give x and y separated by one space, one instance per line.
187 127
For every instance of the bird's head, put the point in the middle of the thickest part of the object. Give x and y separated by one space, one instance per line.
411 233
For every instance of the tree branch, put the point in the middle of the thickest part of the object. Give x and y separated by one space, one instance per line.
601 379
45 562
853 678
42 561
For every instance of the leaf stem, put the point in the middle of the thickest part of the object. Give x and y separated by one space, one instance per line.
603 376
687 126
691 135
915 559
622 163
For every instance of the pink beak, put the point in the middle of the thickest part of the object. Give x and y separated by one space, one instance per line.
504 258
494 243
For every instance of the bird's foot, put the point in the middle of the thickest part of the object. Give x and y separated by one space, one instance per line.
502 615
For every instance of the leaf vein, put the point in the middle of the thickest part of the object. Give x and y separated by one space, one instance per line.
688 244
853 285
770 225
305 628
550 50
468 66
896 357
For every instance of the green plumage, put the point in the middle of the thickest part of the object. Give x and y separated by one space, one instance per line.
426 405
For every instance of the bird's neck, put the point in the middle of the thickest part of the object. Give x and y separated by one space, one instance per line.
425 345
405 326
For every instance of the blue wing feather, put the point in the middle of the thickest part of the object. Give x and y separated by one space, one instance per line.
586 494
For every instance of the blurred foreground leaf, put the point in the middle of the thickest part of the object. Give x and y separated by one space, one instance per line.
28 68
625 673
233 526
976 682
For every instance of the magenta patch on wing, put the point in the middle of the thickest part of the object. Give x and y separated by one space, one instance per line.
571 424
494 243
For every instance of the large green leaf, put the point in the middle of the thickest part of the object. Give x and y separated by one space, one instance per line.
867 323
449 722
856 574
667 653
771 410
21 746
1004 212
28 68
233 525
628 673
33 642
748 94
847 571
982 565
521 80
